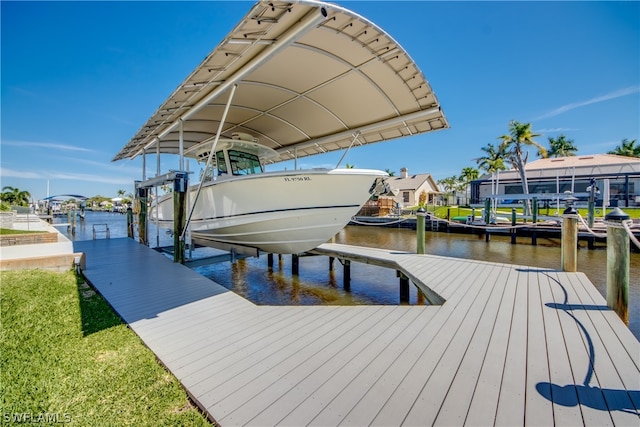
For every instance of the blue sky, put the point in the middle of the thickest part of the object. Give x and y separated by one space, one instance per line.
80 78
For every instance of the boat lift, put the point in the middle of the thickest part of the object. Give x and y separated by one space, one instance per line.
180 183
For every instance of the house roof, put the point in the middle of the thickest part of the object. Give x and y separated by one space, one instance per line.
413 182
587 165
303 77
581 161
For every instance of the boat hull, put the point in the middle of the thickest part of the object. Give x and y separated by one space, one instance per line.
277 212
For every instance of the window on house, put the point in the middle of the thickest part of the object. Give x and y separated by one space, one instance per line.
405 196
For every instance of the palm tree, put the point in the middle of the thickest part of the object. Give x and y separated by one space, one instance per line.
15 196
493 161
390 172
467 175
449 185
515 143
561 147
627 148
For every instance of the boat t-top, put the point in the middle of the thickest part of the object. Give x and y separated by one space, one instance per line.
292 79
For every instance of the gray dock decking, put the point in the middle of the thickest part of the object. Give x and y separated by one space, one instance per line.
511 345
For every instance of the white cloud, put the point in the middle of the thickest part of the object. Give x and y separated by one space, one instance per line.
611 95
47 145
119 179
554 130
10 173
108 179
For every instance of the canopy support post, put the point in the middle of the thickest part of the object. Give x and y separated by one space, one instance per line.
181 147
355 138
206 168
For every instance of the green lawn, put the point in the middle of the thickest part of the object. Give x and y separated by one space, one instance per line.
66 356
441 211
7 231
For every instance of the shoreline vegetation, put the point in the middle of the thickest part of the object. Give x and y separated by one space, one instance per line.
455 211
67 357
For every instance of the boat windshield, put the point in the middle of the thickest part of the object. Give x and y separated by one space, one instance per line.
243 163
222 165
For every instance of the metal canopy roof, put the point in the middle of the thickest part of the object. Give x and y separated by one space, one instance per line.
309 76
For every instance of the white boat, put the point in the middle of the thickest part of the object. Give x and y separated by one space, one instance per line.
277 212
306 78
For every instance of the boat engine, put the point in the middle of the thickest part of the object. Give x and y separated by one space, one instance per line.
380 187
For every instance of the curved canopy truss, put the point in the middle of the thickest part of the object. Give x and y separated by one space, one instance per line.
309 77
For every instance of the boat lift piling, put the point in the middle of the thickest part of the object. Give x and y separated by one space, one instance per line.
180 188
143 195
180 182
618 262
130 233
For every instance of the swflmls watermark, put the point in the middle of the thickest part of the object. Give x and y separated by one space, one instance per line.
36 418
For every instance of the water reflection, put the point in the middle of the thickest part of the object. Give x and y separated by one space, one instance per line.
314 285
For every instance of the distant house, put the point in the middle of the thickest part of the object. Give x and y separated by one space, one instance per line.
409 188
619 174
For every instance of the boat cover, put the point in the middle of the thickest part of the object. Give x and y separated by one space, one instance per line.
310 76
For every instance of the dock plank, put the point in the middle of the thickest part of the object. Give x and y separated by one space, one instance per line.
482 407
537 408
463 385
434 392
560 369
511 401
437 338
614 372
579 350
357 349
509 345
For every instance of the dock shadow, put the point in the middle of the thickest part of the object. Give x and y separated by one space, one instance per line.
603 399
95 312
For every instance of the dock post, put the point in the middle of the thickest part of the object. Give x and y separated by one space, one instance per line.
331 261
130 222
270 261
569 242
513 224
618 251
591 211
534 237
180 186
143 193
295 264
420 220
487 210
404 288
346 276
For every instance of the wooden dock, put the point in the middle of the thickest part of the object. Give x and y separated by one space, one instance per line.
511 345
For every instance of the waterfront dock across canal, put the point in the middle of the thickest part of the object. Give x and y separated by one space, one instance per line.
511 345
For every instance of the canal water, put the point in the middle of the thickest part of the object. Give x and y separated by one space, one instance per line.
315 284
